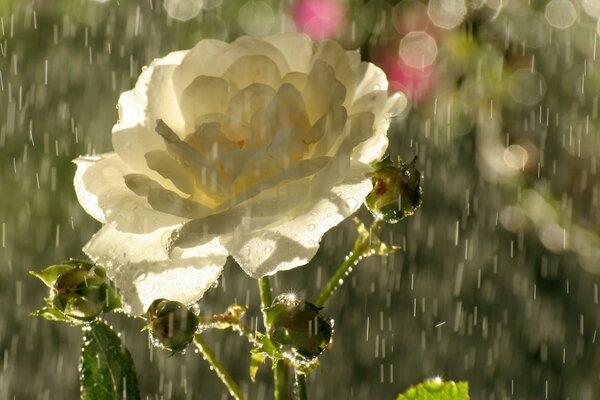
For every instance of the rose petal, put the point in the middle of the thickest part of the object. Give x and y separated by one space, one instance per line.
153 96
358 128
258 206
247 70
370 78
242 107
143 270
322 90
205 95
328 128
101 190
295 241
164 200
296 48
162 162
212 57
334 55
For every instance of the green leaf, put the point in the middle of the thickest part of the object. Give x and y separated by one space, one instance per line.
256 359
106 367
437 389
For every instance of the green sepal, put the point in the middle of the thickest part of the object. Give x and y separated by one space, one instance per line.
267 347
51 314
437 389
50 274
106 368
273 311
368 241
256 360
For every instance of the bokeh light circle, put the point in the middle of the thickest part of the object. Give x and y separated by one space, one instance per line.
526 87
561 14
256 18
418 49
447 14
183 10
591 7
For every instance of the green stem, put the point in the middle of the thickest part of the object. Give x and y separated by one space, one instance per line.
362 247
219 369
282 380
281 374
300 386
338 278
265 292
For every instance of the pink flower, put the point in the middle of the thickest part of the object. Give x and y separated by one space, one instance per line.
319 19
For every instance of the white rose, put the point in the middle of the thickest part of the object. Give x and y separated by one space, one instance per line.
252 149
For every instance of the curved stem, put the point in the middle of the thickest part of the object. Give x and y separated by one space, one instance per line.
219 369
363 246
338 278
300 388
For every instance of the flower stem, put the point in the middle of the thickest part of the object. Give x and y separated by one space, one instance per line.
219 369
338 278
265 292
282 380
300 388
281 373
362 247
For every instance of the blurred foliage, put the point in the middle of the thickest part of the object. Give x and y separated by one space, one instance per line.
496 282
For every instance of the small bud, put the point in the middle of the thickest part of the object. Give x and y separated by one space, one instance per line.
296 327
171 324
78 289
396 190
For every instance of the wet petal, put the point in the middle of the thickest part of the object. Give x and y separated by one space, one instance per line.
294 241
142 268
296 48
322 90
205 95
247 70
153 96
102 192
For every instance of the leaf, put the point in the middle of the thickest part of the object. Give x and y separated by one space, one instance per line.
106 367
256 359
436 389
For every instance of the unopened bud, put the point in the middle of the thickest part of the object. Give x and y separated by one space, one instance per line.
171 324
296 327
396 190
79 289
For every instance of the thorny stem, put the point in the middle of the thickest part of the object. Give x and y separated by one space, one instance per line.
219 369
361 247
300 386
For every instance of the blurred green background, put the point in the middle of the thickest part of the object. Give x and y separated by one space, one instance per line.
497 281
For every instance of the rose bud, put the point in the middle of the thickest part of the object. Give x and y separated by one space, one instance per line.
171 324
297 327
78 289
396 190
